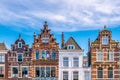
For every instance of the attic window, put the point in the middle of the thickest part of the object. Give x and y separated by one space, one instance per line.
45 39
105 40
70 47
19 44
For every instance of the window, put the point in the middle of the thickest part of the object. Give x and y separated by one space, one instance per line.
45 55
20 57
37 72
105 40
75 75
19 44
100 72
47 71
100 55
15 72
110 72
37 55
42 72
45 39
24 71
87 75
2 58
65 61
1 71
65 75
53 72
110 55
70 47
75 62
53 55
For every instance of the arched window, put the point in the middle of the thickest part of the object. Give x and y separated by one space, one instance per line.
110 72
100 72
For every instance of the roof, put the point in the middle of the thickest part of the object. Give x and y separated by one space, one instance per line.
71 41
2 46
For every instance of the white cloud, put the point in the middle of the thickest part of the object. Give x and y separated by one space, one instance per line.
64 15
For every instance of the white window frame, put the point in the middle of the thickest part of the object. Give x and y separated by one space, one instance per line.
17 57
19 43
77 74
2 58
100 55
70 47
75 61
88 75
111 55
63 74
63 61
105 38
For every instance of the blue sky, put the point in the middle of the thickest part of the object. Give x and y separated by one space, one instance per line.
80 18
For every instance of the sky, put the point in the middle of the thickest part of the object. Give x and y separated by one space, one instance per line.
81 19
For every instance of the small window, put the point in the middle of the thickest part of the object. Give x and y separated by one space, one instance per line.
15 72
87 75
65 62
70 47
53 55
47 71
105 40
42 71
45 54
24 71
53 72
20 57
19 44
110 72
2 71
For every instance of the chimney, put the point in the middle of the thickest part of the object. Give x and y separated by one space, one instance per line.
62 40
34 37
89 44
45 25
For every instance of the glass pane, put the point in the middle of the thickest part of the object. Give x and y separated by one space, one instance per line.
48 54
19 57
25 72
43 54
65 62
76 62
37 55
53 72
37 72
65 75
53 55
42 72
47 72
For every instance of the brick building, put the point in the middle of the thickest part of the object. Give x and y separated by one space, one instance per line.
19 61
45 56
104 55
3 61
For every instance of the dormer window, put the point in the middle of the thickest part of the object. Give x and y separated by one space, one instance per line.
70 47
45 39
105 40
19 44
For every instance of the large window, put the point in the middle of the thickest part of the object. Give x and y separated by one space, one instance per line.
75 62
2 58
24 71
20 57
19 44
15 72
37 54
2 71
65 62
105 40
110 55
45 39
100 72
53 55
45 54
45 72
65 75
75 76
110 72
100 55
87 75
